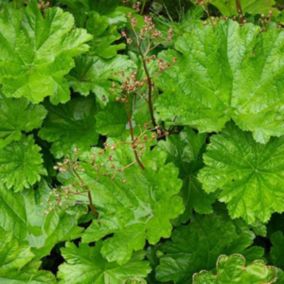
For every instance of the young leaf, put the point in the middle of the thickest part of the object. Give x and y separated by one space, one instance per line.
133 204
103 20
226 71
85 264
69 125
233 269
17 263
21 164
246 175
17 115
197 246
107 34
37 52
185 151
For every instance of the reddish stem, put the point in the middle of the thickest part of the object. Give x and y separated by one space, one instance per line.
240 11
133 143
150 87
84 186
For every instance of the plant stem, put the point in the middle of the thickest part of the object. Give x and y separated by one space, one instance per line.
149 80
240 11
91 204
84 186
149 85
133 141
143 7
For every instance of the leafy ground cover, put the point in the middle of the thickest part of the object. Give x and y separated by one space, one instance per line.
141 142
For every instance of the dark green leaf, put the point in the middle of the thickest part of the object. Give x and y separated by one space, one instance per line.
197 246
70 125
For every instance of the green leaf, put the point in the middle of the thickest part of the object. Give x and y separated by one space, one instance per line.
26 215
185 151
112 120
17 115
101 76
276 223
229 8
246 175
197 246
69 125
104 29
17 265
37 52
223 72
103 20
85 264
277 250
21 164
233 269
133 204
280 279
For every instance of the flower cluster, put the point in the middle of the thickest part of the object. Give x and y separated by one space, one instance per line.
43 4
146 40
104 163
132 83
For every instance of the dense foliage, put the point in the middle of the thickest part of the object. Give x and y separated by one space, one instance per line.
141 142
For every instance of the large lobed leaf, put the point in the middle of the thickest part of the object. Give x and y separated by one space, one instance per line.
226 71
26 215
37 52
133 204
246 175
21 164
197 246
85 264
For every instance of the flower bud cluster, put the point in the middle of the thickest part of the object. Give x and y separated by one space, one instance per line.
146 37
149 29
42 5
265 19
107 163
137 6
64 197
131 83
